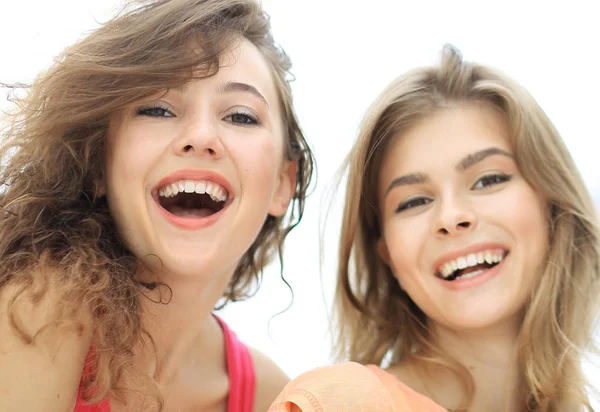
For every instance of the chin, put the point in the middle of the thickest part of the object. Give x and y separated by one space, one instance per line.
177 266
482 318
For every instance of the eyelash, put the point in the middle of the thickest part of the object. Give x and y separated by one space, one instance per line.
497 178
250 120
148 111
151 111
410 204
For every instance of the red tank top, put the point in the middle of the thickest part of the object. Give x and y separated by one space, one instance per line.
240 369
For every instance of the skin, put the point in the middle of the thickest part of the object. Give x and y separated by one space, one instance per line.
236 132
451 208
52 366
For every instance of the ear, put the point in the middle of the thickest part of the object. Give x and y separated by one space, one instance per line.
286 188
382 251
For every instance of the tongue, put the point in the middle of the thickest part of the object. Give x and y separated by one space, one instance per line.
191 213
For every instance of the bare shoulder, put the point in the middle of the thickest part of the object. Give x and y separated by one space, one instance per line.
270 380
41 364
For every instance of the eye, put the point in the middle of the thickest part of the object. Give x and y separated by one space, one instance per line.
241 118
412 203
154 111
491 180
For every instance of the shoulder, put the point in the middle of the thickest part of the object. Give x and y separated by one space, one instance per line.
333 387
270 379
365 388
406 374
404 379
41 308
41 360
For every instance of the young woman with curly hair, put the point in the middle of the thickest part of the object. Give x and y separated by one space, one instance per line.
147 177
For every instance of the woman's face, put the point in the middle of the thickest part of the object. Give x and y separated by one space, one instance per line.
463 232
193 173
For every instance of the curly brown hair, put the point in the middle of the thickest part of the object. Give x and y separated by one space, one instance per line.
53 153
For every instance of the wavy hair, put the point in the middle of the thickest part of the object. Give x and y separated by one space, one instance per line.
55 232
377 321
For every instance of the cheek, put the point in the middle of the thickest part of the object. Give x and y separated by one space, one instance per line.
527 215
127 165
404 246
129 158
405 249
259 162
534 224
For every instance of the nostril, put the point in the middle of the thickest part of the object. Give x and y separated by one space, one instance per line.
211 152
446 230
188 148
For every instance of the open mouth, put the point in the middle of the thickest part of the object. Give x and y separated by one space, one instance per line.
193 199
471 265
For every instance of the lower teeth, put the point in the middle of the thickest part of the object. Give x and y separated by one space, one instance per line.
472 274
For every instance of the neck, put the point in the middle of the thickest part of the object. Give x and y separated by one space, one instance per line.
179 320
490 355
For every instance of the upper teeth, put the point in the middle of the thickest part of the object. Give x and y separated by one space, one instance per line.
217 192
470 260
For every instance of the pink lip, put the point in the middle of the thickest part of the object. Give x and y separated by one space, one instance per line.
479 247
193 223
462 284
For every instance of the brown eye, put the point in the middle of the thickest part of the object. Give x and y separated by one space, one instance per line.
241 118
412 203
491 180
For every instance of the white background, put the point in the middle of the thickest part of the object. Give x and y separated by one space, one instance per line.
344 53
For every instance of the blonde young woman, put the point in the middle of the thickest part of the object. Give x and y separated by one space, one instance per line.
146 179
469 257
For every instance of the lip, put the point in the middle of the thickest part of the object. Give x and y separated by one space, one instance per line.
463 284
193 223
478 247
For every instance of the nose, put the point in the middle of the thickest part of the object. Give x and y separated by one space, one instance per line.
454 216
199 136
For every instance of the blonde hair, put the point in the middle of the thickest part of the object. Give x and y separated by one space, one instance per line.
378 321
53 155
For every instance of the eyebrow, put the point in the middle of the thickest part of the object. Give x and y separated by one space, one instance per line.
468 161
474 158
230 87
236 87
412 179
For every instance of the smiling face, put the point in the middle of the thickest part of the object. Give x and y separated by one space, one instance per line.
193 173
463 232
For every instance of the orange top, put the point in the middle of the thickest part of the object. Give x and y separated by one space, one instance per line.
350 387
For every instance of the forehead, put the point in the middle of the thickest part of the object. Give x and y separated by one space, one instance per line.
245 63
446 136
